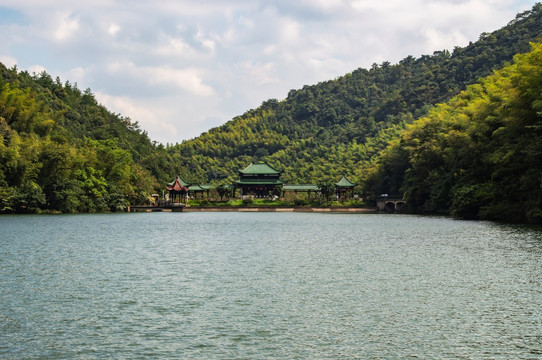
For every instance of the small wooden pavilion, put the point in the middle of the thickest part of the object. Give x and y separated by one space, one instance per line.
258 179
344 187
178 189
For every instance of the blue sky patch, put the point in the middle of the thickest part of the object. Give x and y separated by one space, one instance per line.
10 16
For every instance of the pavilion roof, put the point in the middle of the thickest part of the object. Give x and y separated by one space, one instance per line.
344 182
259 182
260 168
199 187
300 187
178 185
182 181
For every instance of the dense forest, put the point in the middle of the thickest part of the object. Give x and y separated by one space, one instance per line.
477 156
62 151
337 127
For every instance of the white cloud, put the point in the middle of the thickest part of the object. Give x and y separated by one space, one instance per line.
207 43
171 46
290 31
180 49
8 61
113 29
66 27
441 40
258 73
36 69
77 75
329 4
380 6
185 79
146 115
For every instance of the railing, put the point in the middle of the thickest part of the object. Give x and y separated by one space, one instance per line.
389 198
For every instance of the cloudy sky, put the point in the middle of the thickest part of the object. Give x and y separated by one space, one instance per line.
181 67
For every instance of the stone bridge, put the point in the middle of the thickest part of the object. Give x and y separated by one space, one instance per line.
390 204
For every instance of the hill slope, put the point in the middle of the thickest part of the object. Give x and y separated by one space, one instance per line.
62 151
322 131
478 156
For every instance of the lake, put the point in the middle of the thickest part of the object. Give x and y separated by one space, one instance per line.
268 286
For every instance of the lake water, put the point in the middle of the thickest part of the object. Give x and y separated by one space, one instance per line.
268 286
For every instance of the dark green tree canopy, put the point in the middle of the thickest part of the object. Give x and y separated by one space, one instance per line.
322 131
478 156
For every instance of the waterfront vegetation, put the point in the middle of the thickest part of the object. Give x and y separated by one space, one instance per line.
475 156
249 202
478 156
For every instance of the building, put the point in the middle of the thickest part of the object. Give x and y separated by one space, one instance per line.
294 189
178 189
195 190
258 179
344 187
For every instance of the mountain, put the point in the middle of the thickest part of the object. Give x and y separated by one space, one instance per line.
62 151
337 127
477 156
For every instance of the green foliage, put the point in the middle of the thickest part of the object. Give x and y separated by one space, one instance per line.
340 126
248 201
62 151
478 156
301 202
223 191
326 189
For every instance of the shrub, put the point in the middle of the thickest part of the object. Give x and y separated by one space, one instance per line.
248 201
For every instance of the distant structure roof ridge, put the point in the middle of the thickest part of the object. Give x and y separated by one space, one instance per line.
301 187
178 185
344 182
260 167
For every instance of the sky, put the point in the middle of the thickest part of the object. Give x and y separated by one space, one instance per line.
182 67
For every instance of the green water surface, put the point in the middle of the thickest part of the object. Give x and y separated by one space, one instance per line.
268 286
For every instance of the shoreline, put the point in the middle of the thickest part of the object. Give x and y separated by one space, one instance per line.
263 209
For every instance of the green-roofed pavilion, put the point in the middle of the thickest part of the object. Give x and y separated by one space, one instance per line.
199 189
292 190
300 187
260 169
258 179
179 182
344 186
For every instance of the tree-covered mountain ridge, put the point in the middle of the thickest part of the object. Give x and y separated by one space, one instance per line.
339 126
477 156
60 150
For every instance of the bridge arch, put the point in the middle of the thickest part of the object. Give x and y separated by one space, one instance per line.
390 205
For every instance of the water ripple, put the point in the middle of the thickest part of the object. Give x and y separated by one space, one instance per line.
268 286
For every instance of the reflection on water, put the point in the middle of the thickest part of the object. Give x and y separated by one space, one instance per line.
268 285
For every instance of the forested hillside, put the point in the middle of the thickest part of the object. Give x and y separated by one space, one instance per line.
336 127
477 156
62 151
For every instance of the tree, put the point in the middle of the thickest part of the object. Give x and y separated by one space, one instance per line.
222 191
326 189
